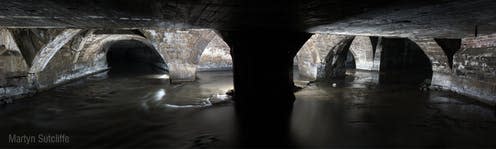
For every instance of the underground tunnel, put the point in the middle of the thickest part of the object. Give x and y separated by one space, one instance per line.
248 74
404 62
130 57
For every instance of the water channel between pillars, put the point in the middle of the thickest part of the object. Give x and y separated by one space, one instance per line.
149 112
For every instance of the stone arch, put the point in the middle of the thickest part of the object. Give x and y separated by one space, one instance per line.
99 45
404 61
31 41
44 56
92 45
335 61
354 54
182 49
363 52
441 69
81 58
351 60
14 81
133 57
438 58
216 56
206 38
316 53
9 47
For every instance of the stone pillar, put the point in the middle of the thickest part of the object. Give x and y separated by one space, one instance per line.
363 52
263 45
441 70
13 68
312 56
377 55
335 61
262 65
263 84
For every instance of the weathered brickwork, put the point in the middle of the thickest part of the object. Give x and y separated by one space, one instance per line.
322 49
435 53
14 80
363 52
439 61
60 55
479 42
216 56
474 67
83 55
182 49
311 59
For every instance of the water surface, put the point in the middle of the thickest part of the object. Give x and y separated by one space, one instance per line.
149 112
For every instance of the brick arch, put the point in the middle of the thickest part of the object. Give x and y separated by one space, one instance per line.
181 48
216 43
435 53
101 43
44 56
316 53
9 44
363 52
31 41
441 69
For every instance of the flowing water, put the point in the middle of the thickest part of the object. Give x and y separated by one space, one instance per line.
149 112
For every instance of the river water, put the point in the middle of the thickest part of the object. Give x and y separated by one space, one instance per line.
149 112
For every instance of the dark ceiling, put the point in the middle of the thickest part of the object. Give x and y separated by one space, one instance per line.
403 18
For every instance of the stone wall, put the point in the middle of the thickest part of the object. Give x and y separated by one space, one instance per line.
473 71
182 49
474 67
67 63
46 58
363 52
311 59
65 55
312 56
14 80
217 56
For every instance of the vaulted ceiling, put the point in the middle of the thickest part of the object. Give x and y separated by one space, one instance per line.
401 18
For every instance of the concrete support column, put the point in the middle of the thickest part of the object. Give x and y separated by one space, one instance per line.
440 63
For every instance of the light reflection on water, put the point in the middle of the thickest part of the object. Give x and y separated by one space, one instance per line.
143 112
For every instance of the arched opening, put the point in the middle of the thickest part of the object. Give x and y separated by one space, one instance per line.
350 63
404 62
216 56
134 57
322 57
215 66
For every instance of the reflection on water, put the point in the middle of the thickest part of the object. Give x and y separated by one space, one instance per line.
149 112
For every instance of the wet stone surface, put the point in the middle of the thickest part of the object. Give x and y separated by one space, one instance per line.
149 112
